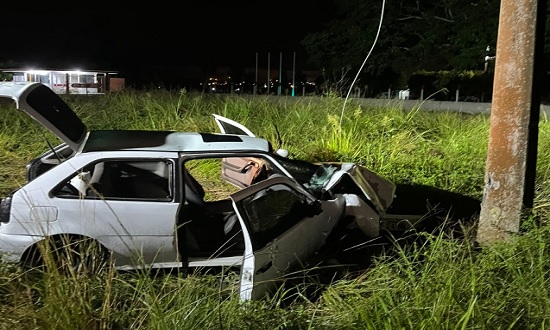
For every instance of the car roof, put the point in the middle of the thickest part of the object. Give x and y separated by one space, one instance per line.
47 108
113 140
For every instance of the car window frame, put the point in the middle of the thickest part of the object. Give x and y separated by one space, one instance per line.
172 181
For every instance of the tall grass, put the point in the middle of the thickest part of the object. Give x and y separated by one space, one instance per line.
445 284
436 283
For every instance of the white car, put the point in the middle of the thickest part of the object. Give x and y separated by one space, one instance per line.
153 198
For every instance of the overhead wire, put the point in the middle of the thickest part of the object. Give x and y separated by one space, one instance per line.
365 61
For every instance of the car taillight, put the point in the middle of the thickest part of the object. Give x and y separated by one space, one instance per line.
5 208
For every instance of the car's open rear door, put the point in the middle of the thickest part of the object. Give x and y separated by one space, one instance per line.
283 226
47 108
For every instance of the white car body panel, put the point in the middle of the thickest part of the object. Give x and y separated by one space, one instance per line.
125 227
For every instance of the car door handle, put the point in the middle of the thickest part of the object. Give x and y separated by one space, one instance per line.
264 268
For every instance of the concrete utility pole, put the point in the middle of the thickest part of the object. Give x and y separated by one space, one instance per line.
513 135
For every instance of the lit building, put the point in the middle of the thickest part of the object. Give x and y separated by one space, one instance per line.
70 81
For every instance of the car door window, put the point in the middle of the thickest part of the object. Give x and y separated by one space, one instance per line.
117 179
272 211
283 225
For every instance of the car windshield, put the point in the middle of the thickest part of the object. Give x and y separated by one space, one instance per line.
300 170
312 176
320 177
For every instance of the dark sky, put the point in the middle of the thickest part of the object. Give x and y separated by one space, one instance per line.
133 35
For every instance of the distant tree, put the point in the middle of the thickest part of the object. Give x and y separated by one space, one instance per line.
415 35
7 65
5 76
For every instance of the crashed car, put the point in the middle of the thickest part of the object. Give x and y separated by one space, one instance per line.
182 199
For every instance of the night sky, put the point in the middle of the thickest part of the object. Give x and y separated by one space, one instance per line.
132 36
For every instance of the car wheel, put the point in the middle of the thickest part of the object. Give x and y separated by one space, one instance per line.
74 256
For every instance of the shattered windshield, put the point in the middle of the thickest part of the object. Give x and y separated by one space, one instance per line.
312 176
320 177
300 170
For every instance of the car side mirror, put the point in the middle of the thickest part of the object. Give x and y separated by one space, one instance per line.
282 152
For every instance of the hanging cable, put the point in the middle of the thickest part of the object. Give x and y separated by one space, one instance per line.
365 61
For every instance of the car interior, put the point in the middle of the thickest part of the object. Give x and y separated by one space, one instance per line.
210 227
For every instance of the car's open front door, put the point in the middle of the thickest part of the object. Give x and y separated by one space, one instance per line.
283 225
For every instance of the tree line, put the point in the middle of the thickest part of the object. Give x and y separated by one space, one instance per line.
454 40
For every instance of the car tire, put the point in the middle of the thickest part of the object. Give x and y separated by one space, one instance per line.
72 256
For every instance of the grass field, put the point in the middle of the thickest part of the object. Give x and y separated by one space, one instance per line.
439 283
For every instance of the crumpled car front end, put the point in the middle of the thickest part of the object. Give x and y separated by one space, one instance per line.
356 179
367 194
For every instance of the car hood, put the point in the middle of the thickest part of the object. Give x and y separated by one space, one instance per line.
47 108
335 177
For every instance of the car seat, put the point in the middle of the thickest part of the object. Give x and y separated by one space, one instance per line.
194 192
207 226
101 181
